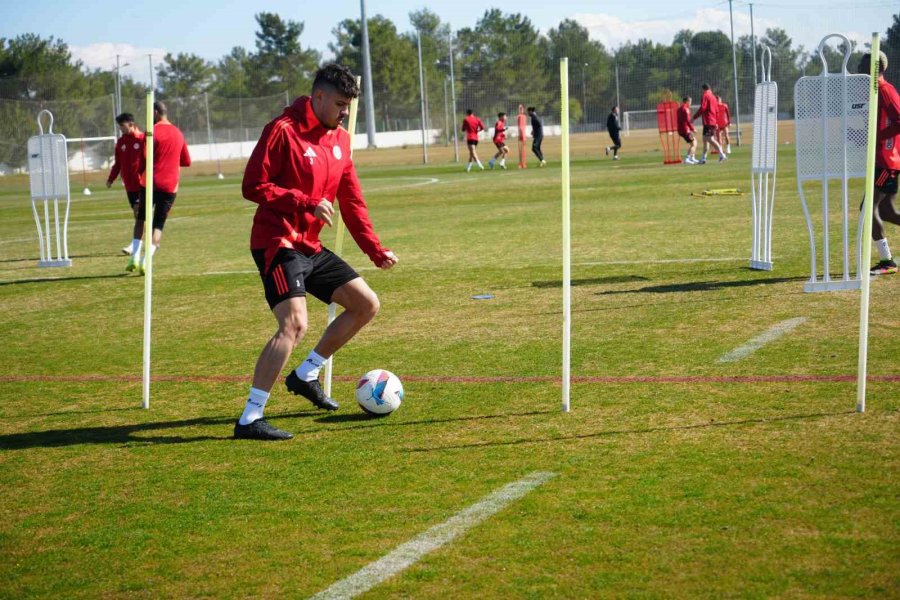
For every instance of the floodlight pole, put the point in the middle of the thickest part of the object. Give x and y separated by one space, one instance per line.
422 98
446 113
583 96
453 100
737 102
617 81
118 89
753 44
367 77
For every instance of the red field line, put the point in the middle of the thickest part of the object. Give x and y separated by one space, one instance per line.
466 379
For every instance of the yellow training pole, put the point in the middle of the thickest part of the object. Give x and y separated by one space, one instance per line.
566 234
339 233
148 250
867 230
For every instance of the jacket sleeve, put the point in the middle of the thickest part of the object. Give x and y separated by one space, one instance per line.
355 214
114 172
891 104
185 159
263 168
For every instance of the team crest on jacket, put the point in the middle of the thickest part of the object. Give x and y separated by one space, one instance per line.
136 146
336 150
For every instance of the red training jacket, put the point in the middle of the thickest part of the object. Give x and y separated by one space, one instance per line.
130 161
297 163
472 125
709 109
887 155
685 126
724 116
499 132
170 153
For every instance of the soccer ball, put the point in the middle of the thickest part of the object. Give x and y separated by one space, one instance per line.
379 392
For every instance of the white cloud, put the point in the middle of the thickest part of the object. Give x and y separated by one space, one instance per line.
134 62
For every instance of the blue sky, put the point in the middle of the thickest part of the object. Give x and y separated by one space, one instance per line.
99 29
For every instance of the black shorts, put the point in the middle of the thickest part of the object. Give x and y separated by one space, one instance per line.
616 140
293 274
135 197
162 204
688 137
709 131
886 180
471 143
500 146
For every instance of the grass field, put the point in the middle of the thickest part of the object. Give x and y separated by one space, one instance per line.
677 475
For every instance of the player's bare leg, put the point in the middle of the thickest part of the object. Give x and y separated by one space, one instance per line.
291 315
883 209
360 304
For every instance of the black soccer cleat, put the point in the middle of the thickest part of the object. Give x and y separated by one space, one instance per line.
259 429
311 390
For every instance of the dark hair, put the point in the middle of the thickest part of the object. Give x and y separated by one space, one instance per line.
705 86
686 99
531 109
614 107
500 115
337 78
468 111
125 118
160 108
865 63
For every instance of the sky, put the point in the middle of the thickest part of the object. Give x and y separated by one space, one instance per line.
140 31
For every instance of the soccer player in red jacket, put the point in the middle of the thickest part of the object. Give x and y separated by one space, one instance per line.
724 121
887 163
686 130
709 110
500 141
170 153
131 162
471 126
299 167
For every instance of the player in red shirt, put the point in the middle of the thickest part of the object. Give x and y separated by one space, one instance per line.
887 163
709 110
299 167
686 130
521 121
500 141
130 162
471 126
170 153
724 120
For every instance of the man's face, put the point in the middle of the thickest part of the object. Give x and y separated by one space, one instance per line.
330 107
126 127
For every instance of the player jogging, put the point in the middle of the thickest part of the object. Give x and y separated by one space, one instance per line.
686 130
520 122
170 153
300 165
500 141
612 126
537 135
131 162
887 163
722 123
709 110
471 126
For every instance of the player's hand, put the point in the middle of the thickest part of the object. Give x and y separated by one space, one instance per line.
325 211
390 259
108 184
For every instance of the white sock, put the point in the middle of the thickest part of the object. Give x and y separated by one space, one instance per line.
502 162
480 166
468 167
136 245
309 368
153 249
256 403
883 250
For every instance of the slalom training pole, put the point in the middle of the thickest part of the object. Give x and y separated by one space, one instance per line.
148 250
864 276
566 234
339 235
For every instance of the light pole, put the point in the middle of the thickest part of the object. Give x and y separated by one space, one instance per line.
583 95
453 97
119 86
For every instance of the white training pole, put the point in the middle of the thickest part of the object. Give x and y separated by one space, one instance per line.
566 234
867 230
339 236
148 251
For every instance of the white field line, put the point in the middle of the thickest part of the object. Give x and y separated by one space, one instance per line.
410 552
770 335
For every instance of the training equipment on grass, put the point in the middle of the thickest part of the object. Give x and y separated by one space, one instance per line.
566 234
48 171
719 192
866 233
379 392
832 123
667 123
339 235
148 253
762 165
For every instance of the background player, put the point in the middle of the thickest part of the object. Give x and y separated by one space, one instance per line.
537 135
709 110
612 126
500 141
471 126
686 130
722 124
131 162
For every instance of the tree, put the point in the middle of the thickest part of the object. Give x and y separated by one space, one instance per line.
184 75
890 45
34 68
280 62
590 68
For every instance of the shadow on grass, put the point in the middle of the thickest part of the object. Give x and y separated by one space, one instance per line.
615 432
555 283
375 420
58 279
703 286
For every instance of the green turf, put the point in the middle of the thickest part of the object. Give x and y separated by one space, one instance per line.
694 489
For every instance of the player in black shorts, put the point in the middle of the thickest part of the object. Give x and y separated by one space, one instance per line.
613 127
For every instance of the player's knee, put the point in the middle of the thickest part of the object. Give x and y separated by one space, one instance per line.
294 327
368 306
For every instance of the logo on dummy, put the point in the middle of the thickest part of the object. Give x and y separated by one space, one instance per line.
336 150
857 105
